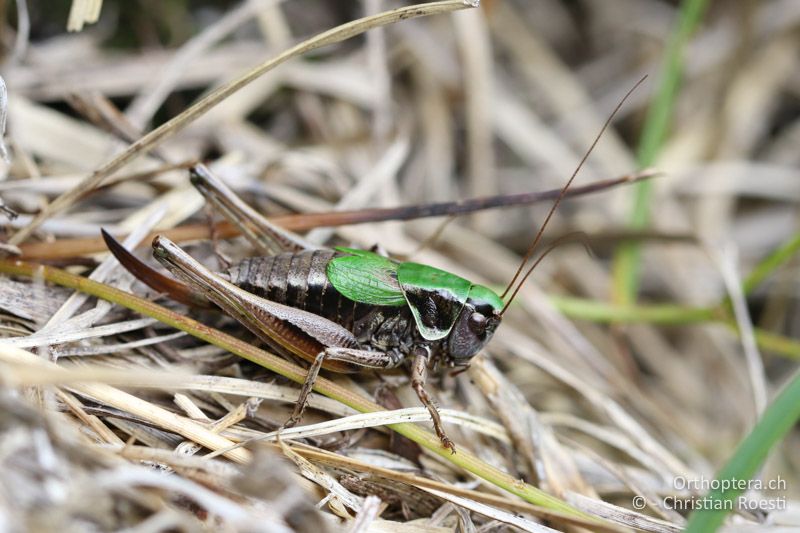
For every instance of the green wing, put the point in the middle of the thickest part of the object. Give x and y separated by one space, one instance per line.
434 296
365 277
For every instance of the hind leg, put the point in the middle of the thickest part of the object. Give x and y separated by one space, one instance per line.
268 238
362 358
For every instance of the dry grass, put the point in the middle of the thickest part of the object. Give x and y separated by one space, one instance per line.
112 421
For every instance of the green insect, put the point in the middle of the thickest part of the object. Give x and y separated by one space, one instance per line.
345 310
436 299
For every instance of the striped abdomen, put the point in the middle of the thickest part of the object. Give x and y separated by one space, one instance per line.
298 280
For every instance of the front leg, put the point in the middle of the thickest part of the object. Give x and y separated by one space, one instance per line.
362 358
419 374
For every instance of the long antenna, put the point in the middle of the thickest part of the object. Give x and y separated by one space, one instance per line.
563 192
564 239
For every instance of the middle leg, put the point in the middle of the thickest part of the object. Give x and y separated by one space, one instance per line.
361 358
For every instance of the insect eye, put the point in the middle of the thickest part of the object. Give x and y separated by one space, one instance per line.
477 322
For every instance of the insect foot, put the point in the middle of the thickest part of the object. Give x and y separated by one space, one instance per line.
447 443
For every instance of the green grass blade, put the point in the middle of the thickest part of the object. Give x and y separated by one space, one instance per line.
668 315
770 263
665 314
626 264
776 421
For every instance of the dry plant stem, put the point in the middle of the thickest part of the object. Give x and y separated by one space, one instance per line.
727 259
131 404
153 94
340 461
83 12
146 143
319 456
77 247
463 459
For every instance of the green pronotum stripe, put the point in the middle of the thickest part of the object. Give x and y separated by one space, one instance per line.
462 458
